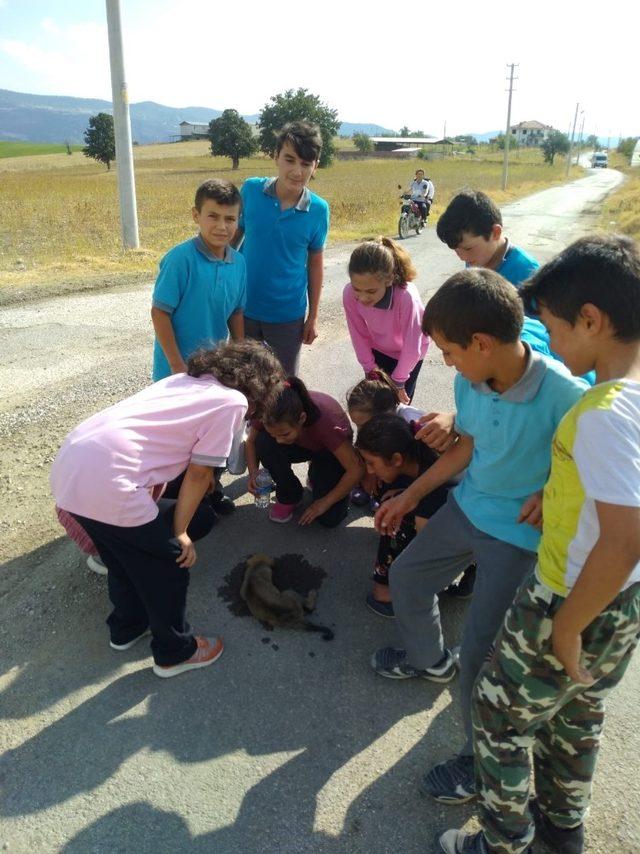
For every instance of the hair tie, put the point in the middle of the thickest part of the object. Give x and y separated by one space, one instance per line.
375 375
287 384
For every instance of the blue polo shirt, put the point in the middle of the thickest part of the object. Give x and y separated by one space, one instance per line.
276 248
512 434
517 265
200 292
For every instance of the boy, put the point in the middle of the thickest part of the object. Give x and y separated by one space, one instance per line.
472 226
570 634
422 192
285 227
200 292
509 401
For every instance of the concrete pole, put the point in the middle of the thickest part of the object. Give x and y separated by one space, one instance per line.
122 127
507 135
573 133
580 139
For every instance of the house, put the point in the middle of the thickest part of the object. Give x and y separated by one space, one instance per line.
194 130
393 143
530 133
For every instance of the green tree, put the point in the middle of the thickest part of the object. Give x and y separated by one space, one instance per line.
626 146
100 139
231 136
362 142
592 142
298 105
404 131
556 143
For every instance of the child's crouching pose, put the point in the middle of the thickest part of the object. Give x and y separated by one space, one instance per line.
305 426
392 455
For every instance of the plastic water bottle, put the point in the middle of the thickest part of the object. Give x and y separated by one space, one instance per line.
264 485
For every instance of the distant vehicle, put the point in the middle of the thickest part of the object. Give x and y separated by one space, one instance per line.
599 159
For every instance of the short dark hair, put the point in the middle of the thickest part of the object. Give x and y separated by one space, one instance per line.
304 137
218 189
603 270
292 400
387 434
475 301
470 211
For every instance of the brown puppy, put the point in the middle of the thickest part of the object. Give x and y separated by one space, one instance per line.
274 607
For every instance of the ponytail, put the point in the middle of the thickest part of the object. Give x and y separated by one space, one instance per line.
385 258
292 400
375 394
385 435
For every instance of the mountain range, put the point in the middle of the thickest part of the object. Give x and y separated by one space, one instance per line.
53 118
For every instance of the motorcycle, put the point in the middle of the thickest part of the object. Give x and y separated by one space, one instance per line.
410 216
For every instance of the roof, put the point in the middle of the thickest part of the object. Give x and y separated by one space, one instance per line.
412 140
531 126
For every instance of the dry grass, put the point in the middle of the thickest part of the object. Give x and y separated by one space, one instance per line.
59 216
621 211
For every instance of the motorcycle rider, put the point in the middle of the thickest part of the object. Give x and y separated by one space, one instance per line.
422 193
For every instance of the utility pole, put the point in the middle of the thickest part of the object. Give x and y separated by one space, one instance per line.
507 135
580 138
122 127
573 133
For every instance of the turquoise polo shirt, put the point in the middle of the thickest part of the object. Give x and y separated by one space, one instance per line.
276 248
200 292
512 434
517 265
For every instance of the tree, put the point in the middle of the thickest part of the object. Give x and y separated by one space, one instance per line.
627 145
232 137
404 131
592 142
100 139
556 143
298 105
362 142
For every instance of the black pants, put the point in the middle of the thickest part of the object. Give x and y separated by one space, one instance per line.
425 207
324 472
147 588
389 365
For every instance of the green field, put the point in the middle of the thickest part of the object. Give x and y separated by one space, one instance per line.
75 233
25 149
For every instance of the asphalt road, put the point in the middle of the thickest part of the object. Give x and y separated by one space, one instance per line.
287 745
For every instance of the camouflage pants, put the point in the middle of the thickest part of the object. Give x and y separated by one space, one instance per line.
524 699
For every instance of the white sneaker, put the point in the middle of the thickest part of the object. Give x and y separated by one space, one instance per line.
208 651
94 563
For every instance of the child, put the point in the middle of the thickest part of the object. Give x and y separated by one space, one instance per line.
568 638
422 193
509 402
200 291
106 470
392 455
285 226
384 312
298 426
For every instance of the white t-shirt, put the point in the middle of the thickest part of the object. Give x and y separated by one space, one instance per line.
107 466
422 191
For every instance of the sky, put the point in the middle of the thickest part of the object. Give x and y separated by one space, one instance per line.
393 64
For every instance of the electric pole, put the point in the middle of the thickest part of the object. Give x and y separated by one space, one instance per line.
580 139
573 133
122 128
507 135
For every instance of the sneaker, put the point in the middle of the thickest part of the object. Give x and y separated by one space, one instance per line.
559 839
463 589
222 504
391 662
359 497
208 651
451 782
461 842
382 609
122 646
281 512
94 563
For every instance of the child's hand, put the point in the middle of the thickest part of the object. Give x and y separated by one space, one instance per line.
531 511
403 397
567 647
313 511
391 493
391 513
438 432
309 331
251 482
187 556
178 367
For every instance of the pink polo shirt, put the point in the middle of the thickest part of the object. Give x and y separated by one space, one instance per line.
107 466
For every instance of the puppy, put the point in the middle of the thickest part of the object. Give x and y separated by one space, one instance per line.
274 607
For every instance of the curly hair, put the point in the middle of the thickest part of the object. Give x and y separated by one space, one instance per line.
247 366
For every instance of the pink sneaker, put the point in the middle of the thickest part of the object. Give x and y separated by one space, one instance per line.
281 512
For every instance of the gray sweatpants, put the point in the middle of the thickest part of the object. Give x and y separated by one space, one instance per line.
444 547
285 339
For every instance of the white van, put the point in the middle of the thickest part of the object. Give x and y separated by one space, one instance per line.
599 159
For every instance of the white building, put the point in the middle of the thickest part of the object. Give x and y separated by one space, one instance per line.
530 133
194 130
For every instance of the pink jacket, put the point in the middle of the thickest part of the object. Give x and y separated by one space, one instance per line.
395 331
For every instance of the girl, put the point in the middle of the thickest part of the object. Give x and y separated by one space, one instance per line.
299 426
384 313
106 470
394 456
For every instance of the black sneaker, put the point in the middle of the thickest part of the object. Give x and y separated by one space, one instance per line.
559 839
451 782
463 589
382 609
462 842
391 662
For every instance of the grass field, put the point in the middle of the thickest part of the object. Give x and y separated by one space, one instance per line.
23 149
621 211
59 217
